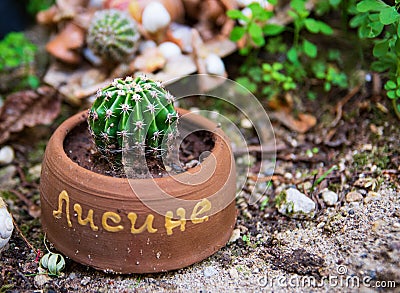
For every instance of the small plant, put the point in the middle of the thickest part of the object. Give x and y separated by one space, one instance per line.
299 61
17 56
380 22
113 35
52 262
302 21
253 26
151 110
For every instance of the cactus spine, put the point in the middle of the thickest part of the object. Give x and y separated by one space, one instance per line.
112 35
139 109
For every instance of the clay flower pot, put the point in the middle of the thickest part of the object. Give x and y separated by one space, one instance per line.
138 225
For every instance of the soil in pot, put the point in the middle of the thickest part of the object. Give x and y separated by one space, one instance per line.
80 148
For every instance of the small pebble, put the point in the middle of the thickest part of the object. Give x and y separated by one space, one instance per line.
233 273
372 196
246 123
169 50
214 65
41 279
85 281
294 204
34 172
330 197
6 155
288 176
353 196
7 180
321 225
210 271
235 235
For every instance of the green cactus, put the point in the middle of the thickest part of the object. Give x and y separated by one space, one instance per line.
139 109
112 35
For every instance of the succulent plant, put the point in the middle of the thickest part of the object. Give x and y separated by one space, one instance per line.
138 109
112 35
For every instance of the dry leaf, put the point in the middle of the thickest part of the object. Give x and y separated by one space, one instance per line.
28 108
64 44
302 123
151 60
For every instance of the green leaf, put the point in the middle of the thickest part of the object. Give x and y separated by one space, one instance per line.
398 30
298 5
310 49
256 34
237 14
327 86
267 67
324 28
371 29
237 33
390 85
277 66
358 20
388 15
381 48
45 260
33 81
273 29
247 83
371 5
312 95
311 25
380 66
391 94
292 55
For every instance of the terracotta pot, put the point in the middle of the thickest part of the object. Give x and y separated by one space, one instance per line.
113 224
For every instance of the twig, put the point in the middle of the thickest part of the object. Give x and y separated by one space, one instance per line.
22 197
339 106
22 176
22 235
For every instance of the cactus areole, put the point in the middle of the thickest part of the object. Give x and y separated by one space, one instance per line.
134 110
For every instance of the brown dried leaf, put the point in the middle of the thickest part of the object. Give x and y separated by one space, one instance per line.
28 108
64 44
302 123
151 60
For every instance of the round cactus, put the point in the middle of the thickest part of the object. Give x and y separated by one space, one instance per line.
138 109
112 35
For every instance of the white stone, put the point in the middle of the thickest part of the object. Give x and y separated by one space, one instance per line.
6 155
233 273
169 50
330 197
235 235
294 204
210 271
246 123
155 17
41 279
215 65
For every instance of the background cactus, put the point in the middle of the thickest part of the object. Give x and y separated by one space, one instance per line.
112 35
138 108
